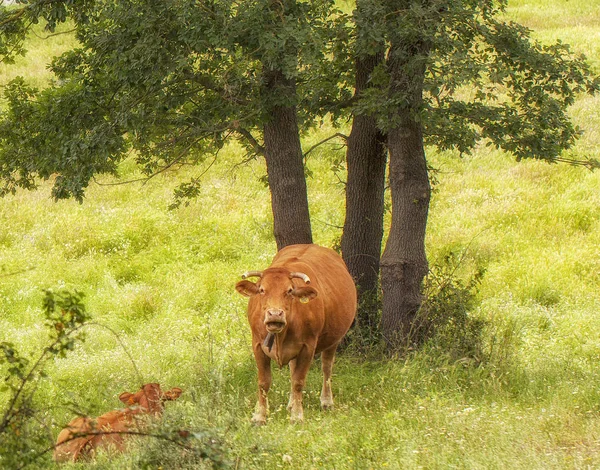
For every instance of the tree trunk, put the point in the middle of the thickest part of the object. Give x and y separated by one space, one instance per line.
285 165
363 226
404 262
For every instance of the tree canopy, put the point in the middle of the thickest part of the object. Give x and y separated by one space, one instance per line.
169 80
173 80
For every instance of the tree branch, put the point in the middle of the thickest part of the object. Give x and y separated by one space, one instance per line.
246 134
590 163
43 38
173 440
337 134
17 14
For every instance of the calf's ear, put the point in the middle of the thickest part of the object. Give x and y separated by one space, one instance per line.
173 394
126 397
246 288
305 294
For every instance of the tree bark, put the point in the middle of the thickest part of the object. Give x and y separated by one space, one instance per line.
404 261
363 227
285 165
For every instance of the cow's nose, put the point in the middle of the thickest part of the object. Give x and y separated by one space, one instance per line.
275 312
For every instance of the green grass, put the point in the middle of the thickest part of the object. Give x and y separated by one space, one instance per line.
160 283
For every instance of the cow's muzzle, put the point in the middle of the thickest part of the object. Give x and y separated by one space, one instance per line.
275 320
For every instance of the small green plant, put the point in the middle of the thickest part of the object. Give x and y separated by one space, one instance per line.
364 338
445 320
23 432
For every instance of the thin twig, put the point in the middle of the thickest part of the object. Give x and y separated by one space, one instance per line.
14 273
118 338
10 408
109 433
43 38
328 224
591 164
337 134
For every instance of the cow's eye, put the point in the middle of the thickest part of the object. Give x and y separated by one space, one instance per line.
290 291
261 290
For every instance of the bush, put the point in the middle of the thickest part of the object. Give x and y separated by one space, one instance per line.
445 320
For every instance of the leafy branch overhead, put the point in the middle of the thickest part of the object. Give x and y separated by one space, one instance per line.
485 78
172 80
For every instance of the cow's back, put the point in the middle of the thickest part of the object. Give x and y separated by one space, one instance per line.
330 277
68 446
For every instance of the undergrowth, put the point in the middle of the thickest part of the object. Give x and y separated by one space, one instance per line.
26 433
446 321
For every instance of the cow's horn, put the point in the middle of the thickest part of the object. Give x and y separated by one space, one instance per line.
302 276
252 274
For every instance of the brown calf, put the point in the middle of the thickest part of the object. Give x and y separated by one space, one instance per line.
84 435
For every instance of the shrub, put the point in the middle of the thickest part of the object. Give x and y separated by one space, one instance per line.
445 320
26 436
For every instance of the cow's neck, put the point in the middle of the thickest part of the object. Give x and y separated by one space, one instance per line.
279 348
274 346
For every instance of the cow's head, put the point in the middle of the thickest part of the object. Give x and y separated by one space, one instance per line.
150 397
277 292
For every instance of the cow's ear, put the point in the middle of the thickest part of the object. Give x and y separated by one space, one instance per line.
305 294
246 288
173 394
126 397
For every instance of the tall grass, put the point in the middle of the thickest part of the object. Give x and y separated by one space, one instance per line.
159 284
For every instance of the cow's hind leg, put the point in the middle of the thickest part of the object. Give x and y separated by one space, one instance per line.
263 362
327 357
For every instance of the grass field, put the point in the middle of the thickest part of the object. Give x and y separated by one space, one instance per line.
159 285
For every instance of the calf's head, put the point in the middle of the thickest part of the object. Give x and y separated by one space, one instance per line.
150 397
277 293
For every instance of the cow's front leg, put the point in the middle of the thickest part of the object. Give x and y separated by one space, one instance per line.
292 368
327 357
299 372
263 362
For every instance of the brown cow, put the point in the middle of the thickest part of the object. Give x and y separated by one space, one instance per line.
303 304
84 435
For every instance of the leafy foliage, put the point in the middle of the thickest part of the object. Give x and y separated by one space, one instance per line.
170 80
174 80
15 22
445 320
486 79
24 437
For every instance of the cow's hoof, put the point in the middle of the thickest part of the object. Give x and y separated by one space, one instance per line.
326 403
259 420
297 418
